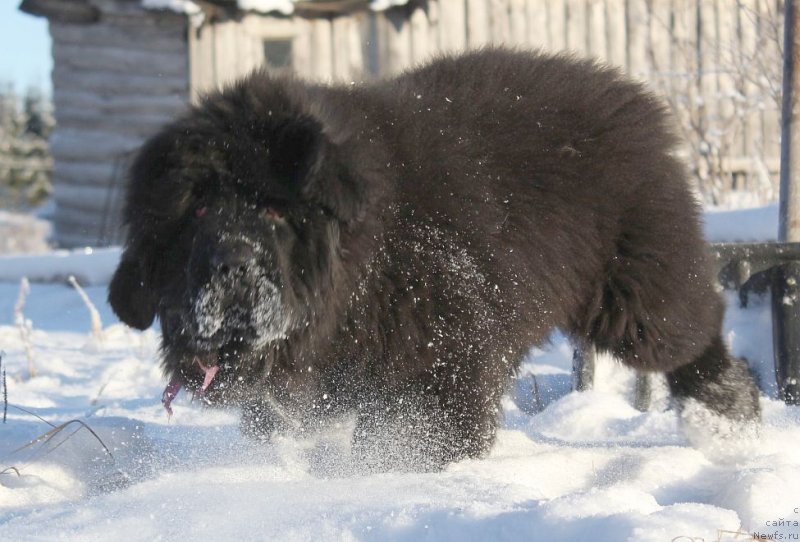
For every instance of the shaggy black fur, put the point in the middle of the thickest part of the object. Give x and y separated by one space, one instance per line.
395 248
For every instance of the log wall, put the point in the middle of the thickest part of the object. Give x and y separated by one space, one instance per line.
115 82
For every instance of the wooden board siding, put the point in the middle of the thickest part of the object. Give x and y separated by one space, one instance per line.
115 82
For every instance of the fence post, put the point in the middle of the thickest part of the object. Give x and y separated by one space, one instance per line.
785 289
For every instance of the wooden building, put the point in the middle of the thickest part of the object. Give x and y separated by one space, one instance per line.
122 68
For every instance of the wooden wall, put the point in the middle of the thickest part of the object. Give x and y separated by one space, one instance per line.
716 61
115 82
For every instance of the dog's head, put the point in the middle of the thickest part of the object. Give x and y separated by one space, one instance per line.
235 214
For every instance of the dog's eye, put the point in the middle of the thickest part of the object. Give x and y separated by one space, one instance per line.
272 213
200 211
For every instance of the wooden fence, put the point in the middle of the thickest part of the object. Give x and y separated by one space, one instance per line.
717 62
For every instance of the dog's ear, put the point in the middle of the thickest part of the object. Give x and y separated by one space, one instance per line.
129 293
302 153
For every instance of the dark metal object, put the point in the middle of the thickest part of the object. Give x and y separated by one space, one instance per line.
738 263
754 267
786 330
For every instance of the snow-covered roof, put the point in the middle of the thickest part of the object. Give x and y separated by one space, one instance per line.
179 6
284 7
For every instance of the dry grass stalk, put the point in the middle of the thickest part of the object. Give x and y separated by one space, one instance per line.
9 470
5 389
56 430
25 326
97 323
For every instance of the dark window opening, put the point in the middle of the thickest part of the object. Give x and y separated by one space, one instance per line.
278 54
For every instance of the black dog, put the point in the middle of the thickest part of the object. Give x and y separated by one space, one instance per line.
394 248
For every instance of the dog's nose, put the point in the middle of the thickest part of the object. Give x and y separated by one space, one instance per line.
232 257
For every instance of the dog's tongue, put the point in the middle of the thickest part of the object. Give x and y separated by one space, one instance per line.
210 372
175 385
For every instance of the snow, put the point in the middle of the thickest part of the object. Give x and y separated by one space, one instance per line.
22 233
587 467
179 6
743 225
284 7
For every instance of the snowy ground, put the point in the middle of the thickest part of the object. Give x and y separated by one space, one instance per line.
589 467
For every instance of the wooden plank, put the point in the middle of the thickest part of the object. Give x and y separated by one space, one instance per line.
708 63
145 19
727 64
359 48
616 34
226 54
88 145
321 49
88 198
557 24
660 46
434 31
141 124
637 30
95 229
301 48
748 25
340 29
84 173
685 87
453 34
131 10
66 238
576 26
398 41
119 83
382 51
728 59
115 60
772 116
124 103
102 34
500 23
477 23
202 65
519 23
75 227
420 44
66 12
250 42
536 15
356 37
596 27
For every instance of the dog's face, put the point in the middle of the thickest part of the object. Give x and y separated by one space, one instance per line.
235 214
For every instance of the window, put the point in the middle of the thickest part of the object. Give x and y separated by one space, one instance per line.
278 54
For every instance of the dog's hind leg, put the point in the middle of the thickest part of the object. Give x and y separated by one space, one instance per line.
717 380
657 311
